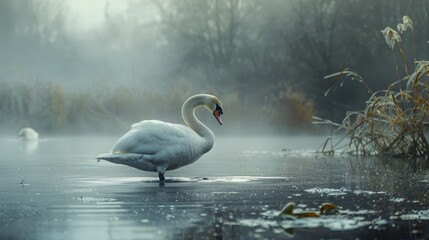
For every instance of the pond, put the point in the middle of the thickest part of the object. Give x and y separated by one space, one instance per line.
55 189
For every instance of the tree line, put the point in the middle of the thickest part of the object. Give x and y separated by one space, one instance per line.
268 58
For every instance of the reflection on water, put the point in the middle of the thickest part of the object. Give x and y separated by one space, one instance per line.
61 192
29 146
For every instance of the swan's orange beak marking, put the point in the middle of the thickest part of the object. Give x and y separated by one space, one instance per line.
217 112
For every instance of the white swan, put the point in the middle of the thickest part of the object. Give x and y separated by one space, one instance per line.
157 146
28 134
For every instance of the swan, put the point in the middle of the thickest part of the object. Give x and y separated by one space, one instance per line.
157 146
28 134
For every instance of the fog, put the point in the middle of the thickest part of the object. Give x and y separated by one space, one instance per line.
81 72
98 66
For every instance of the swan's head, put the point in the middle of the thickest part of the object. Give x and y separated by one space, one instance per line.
215 106
210 102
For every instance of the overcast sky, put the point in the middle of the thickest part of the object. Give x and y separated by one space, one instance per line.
87 15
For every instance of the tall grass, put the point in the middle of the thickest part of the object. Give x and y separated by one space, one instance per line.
395 119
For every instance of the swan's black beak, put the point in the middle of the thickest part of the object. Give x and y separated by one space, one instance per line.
217 112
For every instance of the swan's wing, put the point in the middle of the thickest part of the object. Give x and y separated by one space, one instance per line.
150 124
151 137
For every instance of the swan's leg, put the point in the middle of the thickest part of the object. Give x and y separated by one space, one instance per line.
161 177
161 171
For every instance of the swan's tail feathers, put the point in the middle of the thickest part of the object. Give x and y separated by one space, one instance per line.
118 157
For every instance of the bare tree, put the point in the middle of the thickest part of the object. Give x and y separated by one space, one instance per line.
208 33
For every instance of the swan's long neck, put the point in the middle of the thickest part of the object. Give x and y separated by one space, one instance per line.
188 114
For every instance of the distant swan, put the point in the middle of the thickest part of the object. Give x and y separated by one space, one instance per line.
28 134
157 146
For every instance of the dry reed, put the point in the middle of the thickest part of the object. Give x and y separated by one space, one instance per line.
394 120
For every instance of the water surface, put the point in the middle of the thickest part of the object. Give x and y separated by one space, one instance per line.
55 189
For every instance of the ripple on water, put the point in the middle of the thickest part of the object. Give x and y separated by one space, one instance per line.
303 153
125 180
415 215
339 191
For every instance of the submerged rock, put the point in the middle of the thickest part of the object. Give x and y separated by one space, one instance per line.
325 209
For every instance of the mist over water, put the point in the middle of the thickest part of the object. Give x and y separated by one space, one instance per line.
58 190
77 66
82 72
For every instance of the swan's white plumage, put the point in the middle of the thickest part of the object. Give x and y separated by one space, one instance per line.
160 143
28 134
153 145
